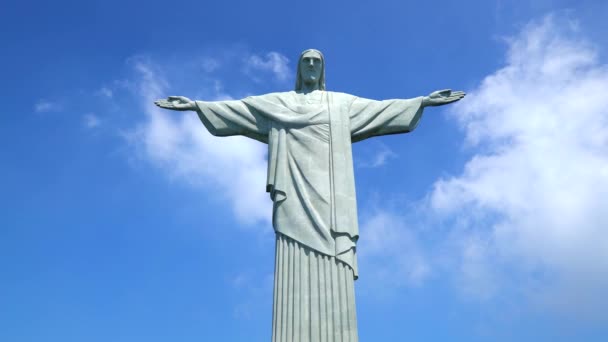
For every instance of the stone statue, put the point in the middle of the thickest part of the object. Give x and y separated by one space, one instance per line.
309 132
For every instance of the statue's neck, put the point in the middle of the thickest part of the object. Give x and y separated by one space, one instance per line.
310 87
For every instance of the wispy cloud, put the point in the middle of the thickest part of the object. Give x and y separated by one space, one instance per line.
390 253
44 106
376 158
233 168
251 290
105 92
210 64
272 62
533 202
91 120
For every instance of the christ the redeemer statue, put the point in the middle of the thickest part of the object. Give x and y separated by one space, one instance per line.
309 132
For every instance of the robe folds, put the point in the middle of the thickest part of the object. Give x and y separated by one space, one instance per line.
310 167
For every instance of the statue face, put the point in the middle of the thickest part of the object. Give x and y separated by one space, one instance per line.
311 66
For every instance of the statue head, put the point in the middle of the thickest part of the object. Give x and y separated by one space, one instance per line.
311 68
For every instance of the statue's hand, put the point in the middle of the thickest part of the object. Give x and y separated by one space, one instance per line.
176 103
442 97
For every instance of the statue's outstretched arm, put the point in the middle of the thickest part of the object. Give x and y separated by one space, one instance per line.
176 103
442 97
223 118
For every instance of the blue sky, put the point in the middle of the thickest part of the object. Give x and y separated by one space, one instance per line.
121 222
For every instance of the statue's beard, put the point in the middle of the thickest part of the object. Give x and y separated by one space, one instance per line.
311 79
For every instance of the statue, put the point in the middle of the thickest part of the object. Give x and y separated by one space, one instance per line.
309 132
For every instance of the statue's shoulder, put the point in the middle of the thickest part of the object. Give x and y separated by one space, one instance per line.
276 95
341 96
282 93
286 96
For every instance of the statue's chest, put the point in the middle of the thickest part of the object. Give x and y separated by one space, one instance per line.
311 99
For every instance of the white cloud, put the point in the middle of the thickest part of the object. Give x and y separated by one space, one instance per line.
273 62
390 253
91 120
534 198
232 168
43 106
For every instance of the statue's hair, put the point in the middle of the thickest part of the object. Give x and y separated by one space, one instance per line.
299 73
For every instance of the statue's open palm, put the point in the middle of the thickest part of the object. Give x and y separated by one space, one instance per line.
176 103
443 97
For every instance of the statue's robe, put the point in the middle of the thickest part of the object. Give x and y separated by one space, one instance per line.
312 186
